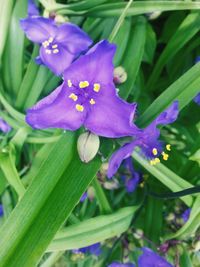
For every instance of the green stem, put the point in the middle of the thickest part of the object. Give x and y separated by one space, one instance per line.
103 202
119 22
10 172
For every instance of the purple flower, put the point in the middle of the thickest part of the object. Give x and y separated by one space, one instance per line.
94 249
4 127
60 45
87 97
1 210
150 259
185 215
197 99
118 264
151 147
131 182
84 196
32 9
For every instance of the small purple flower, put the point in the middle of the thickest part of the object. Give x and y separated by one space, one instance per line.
151 147
87 97
32 9
118 264
186 214
4 127
1 210
150 259
132 178
197 99
84 196
94 249
60 45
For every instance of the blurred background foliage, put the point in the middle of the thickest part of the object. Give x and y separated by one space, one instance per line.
42 178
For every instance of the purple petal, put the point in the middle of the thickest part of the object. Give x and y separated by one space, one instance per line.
169 115
150 259
96 66
197 99
111 116
32 9
56 62
4 126
73 38
118 156
56 111
186 214
38 29
132 183
95 249
118 264
1 210
84 196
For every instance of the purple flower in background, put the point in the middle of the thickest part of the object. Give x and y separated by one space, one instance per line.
1 210
32 9
186 214
118 264
60 45
84 196
151 147
4 127
197 99
150 259
87 97
131 182
94 249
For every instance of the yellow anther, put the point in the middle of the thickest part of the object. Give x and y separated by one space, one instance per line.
48 51
152 162
157 160
73 96
55 51
96 87
79 107
92 102
84 84
155 151
45 44
69 83
168 147
54 46
50 40
165 156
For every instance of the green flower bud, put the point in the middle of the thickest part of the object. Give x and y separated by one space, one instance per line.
88 146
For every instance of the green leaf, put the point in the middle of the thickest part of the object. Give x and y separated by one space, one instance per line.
133 55
16 45
184 90
188 28
166 177
196 156
141 7
47 203
28 80
5 14
93 230
41 79
153 219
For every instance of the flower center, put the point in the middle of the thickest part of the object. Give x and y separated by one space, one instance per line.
165 156
84 94
50 46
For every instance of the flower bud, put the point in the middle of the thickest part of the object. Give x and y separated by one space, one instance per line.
88 146
120 75
154 15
